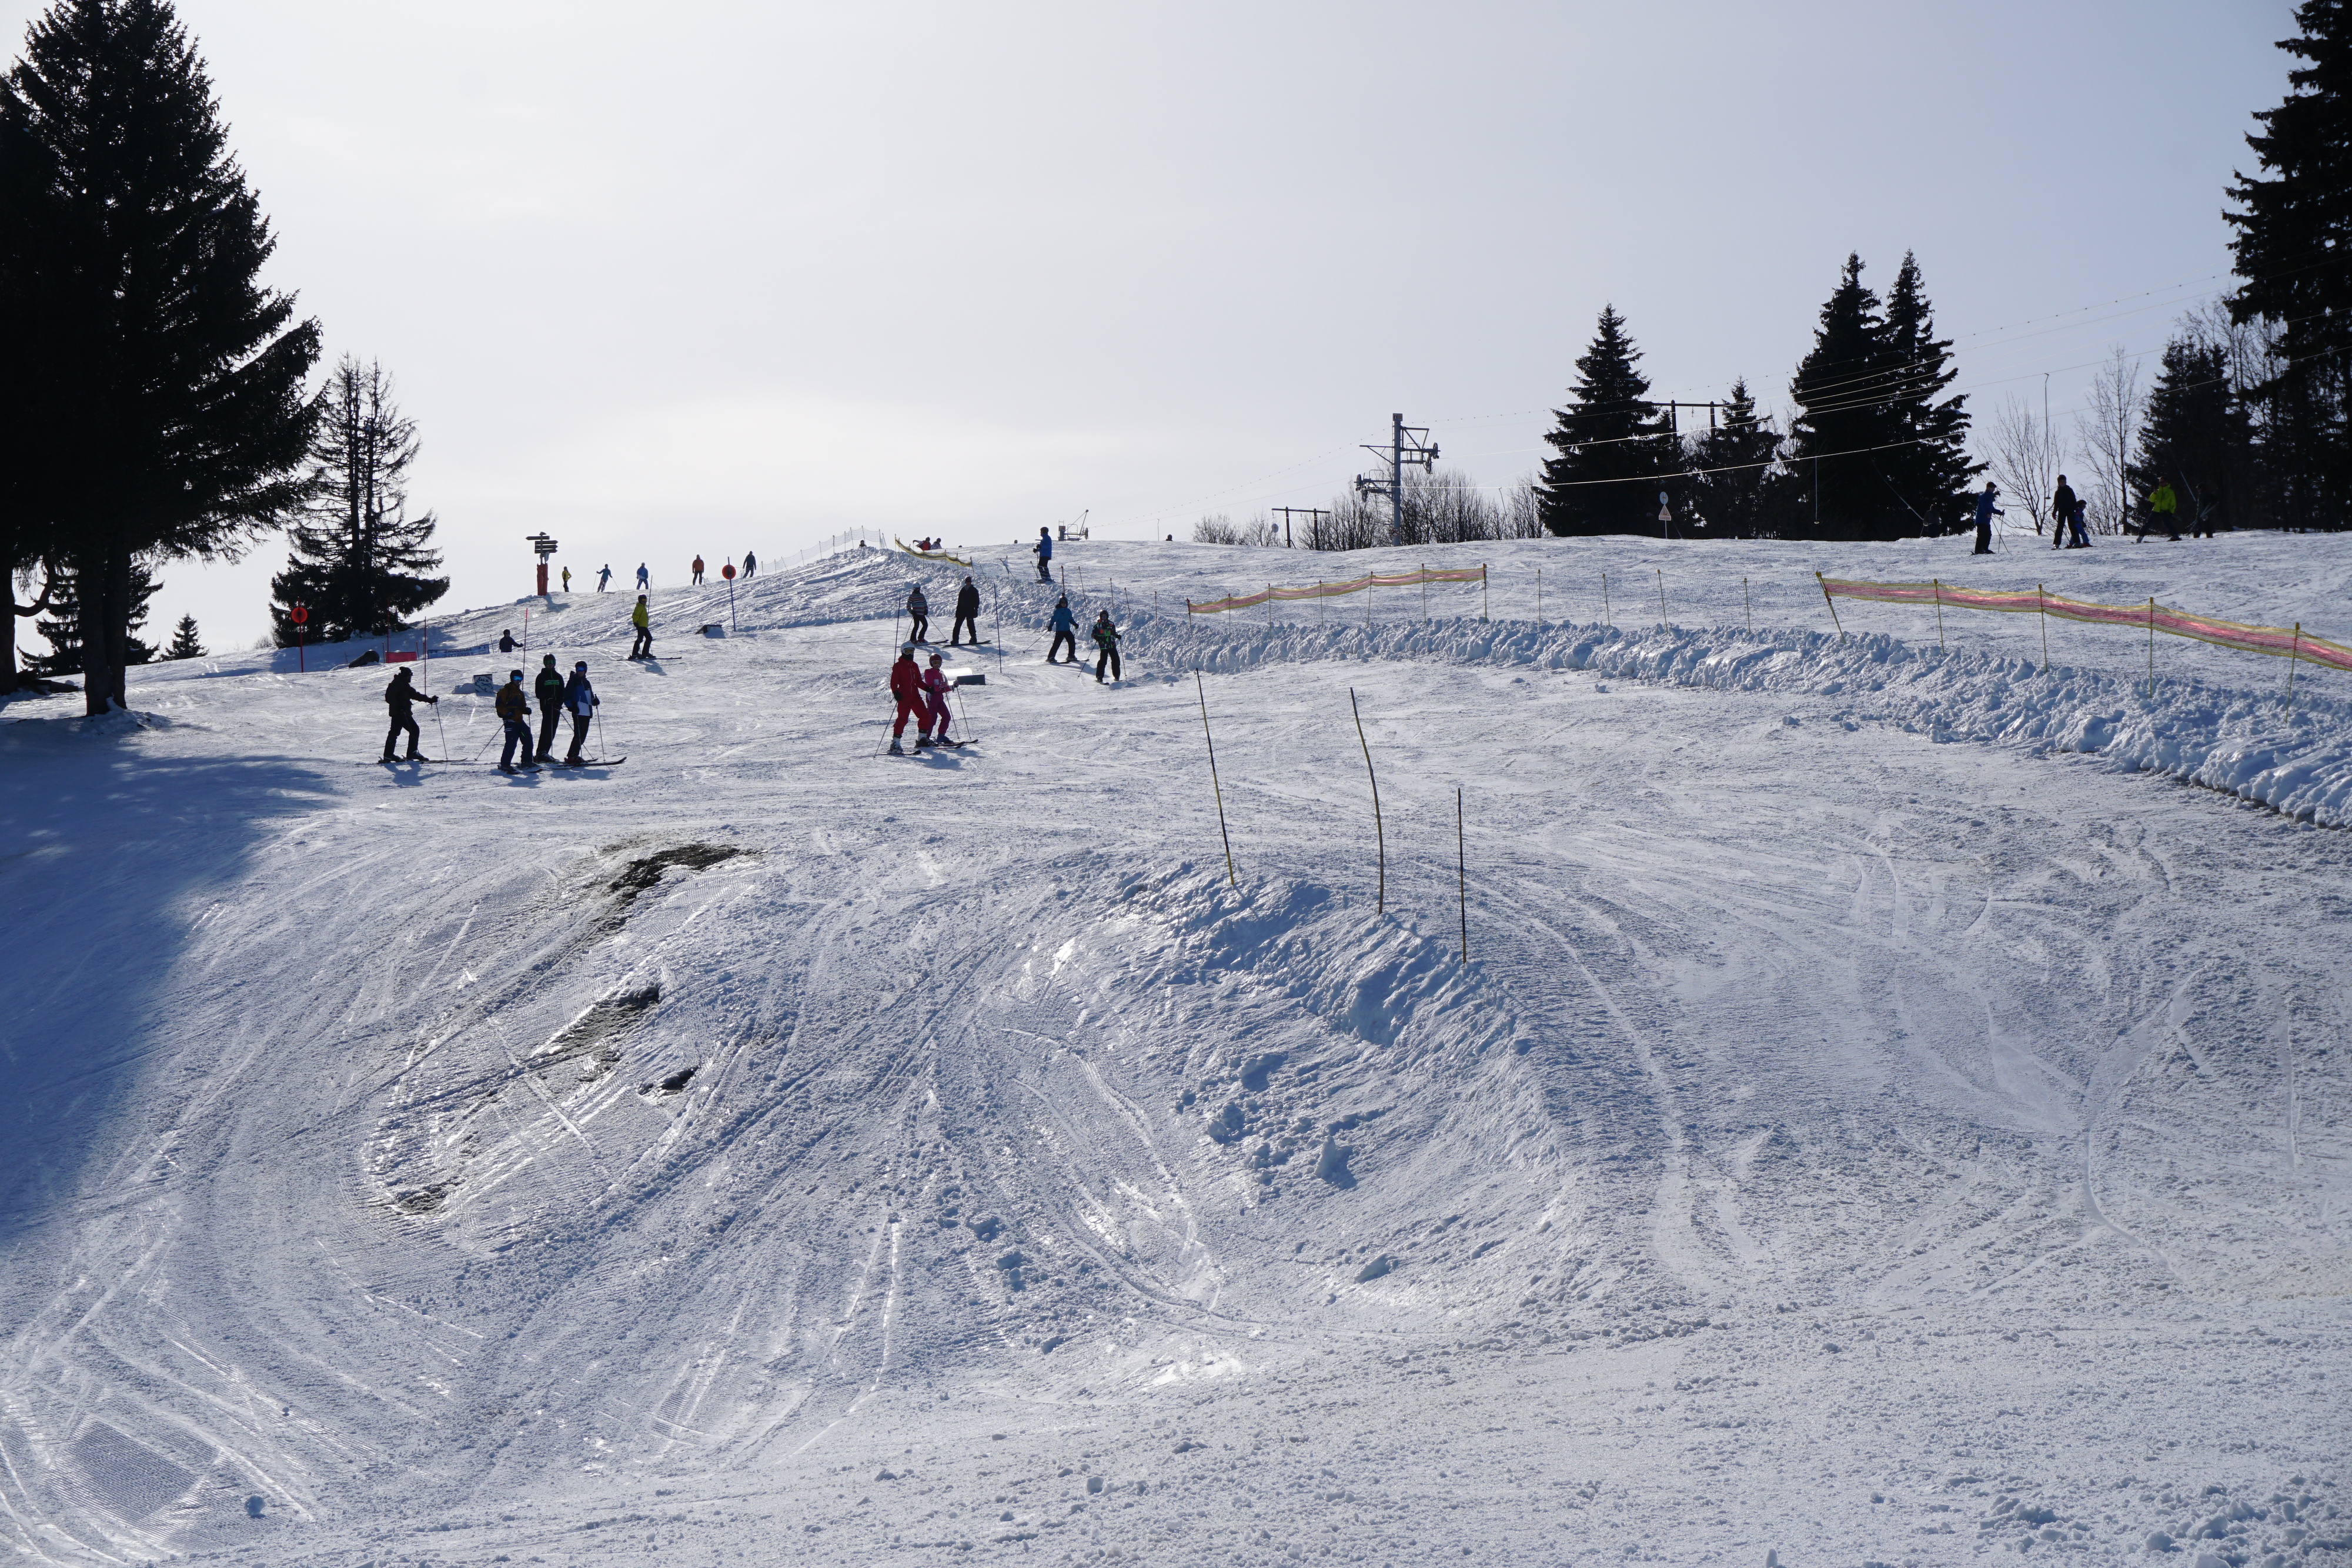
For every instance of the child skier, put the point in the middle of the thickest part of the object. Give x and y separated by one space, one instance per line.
1065 630
936 686
1106 637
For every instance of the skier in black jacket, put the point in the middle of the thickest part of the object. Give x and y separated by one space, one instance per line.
400 697
549 689
2062 507
581 701
967 614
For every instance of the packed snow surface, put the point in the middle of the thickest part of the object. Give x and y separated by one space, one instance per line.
1888 1113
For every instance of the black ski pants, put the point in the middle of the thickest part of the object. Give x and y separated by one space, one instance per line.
1064 640
1044 570
1984 537
643 648
579 736
547 713
401 719
1108 656
955 633
921 630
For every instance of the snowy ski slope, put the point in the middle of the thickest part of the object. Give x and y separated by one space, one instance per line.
1885 1116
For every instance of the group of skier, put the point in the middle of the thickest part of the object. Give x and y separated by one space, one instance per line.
557 696
2069 513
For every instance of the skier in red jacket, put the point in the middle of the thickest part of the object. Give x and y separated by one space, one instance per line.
906 686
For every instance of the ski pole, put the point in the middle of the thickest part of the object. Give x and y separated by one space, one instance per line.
599 711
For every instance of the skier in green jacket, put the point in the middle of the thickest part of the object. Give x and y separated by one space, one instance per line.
2162 504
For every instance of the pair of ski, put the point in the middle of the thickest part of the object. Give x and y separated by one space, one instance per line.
470 762
897 751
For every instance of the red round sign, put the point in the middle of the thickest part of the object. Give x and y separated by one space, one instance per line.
728 571
299 616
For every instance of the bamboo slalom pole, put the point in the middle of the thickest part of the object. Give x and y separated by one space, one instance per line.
1230 880
1481 591
1461 875
1381 837
2045 627
1937 584
2294 651
1662 597
1604 599
1831 603
1748 606
2151 648
1538 598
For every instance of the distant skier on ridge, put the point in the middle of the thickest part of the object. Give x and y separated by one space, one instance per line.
1043 550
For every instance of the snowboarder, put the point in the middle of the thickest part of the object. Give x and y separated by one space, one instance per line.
967 614
906 688
936 686
697 572
919 610
1986 513
507 642
2163 504
567 580
514 712
1043 550
1065 630
644 579
750 565
643 648
603 576
549 689
2061 510
399 695
1106 637
580 700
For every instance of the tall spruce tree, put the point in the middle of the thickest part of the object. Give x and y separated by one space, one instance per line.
174 381
185 643
2195 432
1929 477
360 561
2294 251
1730 467
1610 446
1845 419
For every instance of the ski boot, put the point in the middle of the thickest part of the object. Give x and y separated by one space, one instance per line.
923 741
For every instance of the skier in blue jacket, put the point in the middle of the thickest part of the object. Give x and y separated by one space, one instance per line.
1065 631
581 701
1986 513
1043 550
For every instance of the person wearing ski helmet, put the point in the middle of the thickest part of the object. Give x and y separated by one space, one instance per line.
1106 637
936 686
400 697
549 689
1065 631
513 708
967 614
580 700
907 690
919 610
642 619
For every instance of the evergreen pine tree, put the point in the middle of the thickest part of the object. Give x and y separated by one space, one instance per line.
2294 251
68 649
1610 445
1930 479
177 378
2195 432
185 644
1730 465
360 559
1846 417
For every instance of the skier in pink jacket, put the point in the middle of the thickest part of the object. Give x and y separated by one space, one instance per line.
936 686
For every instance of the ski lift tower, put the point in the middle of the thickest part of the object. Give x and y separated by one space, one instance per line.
545 546
1406 444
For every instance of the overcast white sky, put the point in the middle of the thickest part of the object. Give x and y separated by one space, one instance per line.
710 276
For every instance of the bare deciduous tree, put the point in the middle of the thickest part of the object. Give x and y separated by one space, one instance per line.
2104 431
2025 454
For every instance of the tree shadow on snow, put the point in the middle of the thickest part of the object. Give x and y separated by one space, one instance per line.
106 860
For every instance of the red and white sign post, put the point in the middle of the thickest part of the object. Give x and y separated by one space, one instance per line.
301 618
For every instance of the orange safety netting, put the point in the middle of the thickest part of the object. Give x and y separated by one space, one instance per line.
2286 642
1333 590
